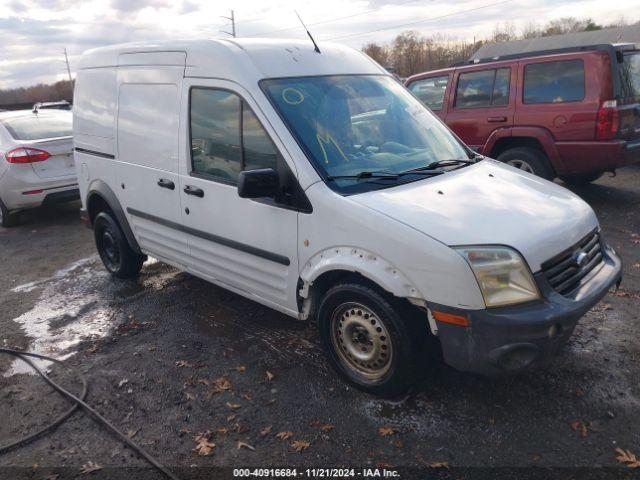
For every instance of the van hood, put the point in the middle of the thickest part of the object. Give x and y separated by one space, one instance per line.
489 203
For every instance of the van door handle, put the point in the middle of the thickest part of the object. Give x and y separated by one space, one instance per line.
496 119
164 183
195 191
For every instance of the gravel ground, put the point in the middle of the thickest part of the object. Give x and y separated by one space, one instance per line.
169 356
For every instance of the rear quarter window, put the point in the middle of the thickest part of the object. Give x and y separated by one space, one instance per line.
430 91
36 127
630 75
554 82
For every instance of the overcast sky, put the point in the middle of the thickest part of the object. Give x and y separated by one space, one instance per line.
33 33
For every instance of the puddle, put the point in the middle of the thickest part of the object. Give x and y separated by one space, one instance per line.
409 414
70 309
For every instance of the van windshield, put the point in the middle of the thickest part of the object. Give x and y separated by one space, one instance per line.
350 124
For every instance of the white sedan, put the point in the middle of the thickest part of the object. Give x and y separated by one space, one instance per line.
36 161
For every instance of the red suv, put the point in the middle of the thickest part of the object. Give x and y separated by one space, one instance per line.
569 113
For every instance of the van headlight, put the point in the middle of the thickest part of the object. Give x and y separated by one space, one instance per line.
503 275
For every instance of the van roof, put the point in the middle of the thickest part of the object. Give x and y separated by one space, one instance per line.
238 59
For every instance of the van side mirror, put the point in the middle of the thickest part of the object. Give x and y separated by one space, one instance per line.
260 183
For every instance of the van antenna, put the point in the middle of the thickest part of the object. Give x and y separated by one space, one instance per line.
315 45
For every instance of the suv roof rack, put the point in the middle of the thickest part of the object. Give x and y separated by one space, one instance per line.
610 47
59 105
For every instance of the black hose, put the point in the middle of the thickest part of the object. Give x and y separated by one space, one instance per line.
78 402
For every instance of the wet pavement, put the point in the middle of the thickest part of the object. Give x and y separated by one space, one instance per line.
169 356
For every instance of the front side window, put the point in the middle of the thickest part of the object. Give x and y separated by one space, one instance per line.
226 136
483 88
350 124
430 91
39 126
554 82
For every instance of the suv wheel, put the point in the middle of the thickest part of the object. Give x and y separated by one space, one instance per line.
116 254
583 179
8 219
529 160
366 339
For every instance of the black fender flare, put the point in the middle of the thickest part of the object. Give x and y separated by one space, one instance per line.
101 189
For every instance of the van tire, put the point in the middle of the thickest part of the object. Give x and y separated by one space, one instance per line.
362 313
582 179
528 159
8 219
117 256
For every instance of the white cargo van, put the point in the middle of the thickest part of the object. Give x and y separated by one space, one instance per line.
316 184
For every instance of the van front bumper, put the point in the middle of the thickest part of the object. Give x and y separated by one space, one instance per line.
516 338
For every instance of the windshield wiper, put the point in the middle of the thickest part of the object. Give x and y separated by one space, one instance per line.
382 175
444 163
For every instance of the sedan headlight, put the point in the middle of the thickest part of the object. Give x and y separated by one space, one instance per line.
503 276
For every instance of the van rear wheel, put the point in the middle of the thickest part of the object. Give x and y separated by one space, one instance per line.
528 160
114 250
367 339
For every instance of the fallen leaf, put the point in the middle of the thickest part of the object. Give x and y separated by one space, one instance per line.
628 458
536 457
90 467
270 376
246 396
325 427
231 417
220 385
132 433
284 435
223 430
265 431
184 364
203 446
233 406
438 465
384 431
398 443
245 445
190 396
241 368
300 445
579 426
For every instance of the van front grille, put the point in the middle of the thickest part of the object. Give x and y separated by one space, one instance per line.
566 271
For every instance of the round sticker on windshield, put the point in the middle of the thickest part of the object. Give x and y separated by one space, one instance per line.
292 96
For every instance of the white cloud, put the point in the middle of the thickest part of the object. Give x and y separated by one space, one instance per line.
35 32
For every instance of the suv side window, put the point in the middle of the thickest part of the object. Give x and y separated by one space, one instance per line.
483 88
430 91
554 82
226 136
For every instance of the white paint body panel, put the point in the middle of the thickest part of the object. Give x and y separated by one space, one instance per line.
399 237
513 208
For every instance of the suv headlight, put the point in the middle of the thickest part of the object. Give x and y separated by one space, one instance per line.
503 275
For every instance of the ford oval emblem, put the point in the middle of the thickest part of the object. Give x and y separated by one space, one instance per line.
580 259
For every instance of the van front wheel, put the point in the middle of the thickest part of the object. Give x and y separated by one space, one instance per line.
366 339
116 254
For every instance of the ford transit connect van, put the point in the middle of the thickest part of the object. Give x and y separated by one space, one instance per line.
316 184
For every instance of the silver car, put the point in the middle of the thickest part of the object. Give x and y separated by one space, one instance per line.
36 161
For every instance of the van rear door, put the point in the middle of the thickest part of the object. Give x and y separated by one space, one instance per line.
629 104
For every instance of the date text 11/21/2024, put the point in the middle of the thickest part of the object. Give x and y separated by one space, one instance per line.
316 473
